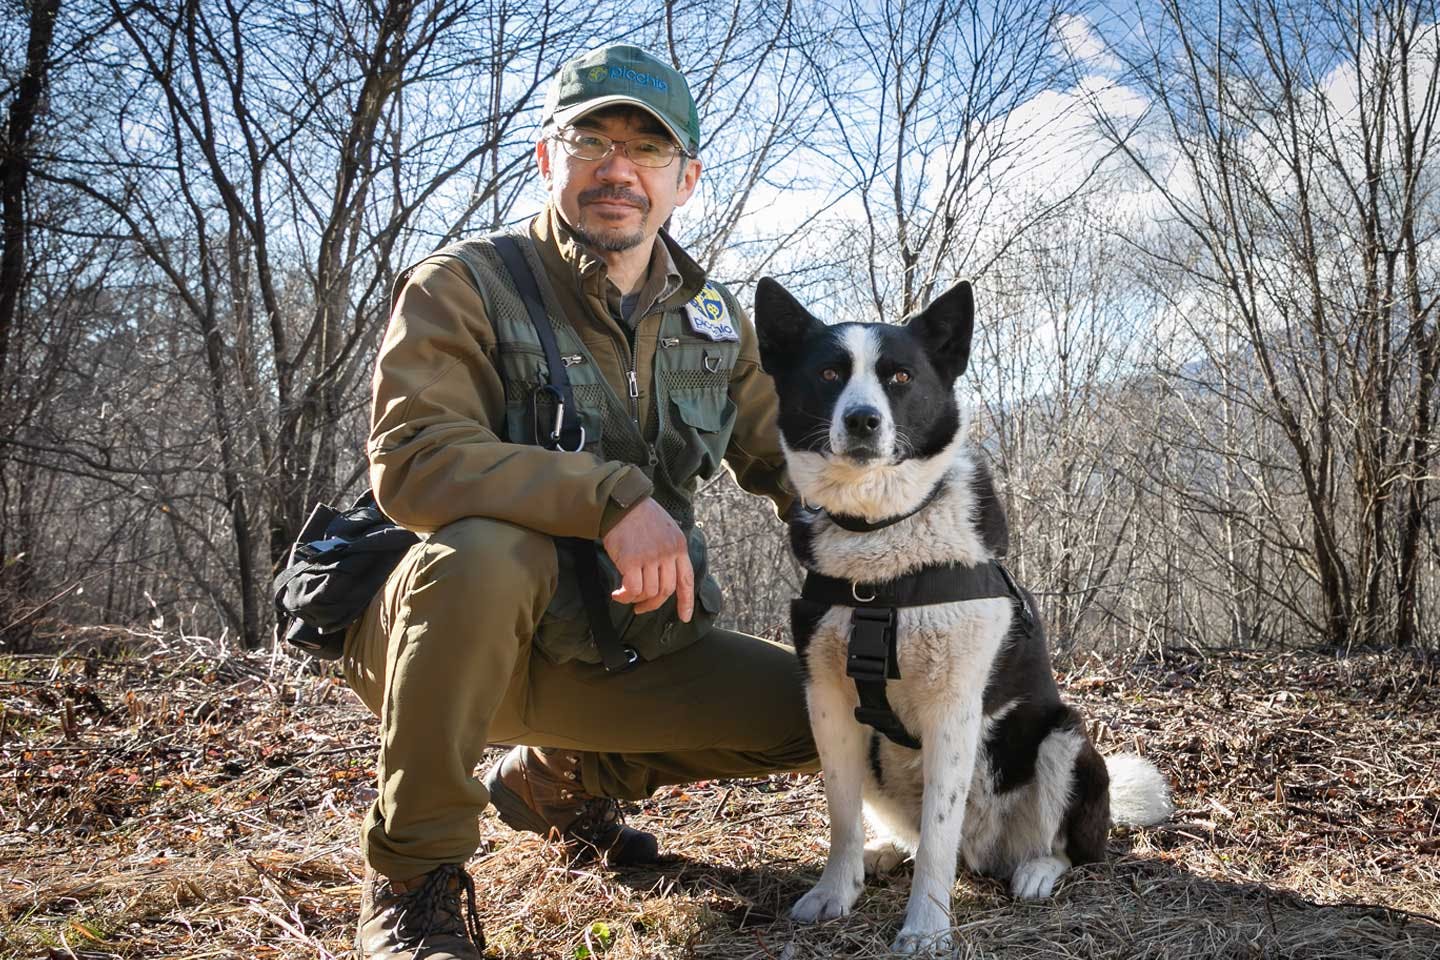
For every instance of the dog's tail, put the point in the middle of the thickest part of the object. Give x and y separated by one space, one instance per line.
1139 793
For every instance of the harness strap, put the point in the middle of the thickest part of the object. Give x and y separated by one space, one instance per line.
870 661
940 584
872 656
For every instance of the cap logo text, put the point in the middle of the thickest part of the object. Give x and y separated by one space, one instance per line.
634 76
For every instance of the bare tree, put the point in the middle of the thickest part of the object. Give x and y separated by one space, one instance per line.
1058 355
275 169
1311 223
922 101
15 154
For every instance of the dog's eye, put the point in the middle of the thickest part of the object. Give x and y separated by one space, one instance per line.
900 376
829 374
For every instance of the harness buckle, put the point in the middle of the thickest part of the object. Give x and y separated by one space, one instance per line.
865 668
869 654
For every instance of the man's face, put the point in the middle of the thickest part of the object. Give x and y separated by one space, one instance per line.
615 204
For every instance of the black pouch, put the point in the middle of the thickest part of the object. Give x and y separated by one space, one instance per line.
337 565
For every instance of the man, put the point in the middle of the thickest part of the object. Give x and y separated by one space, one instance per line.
480 635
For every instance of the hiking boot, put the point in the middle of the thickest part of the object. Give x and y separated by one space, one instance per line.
420 919
539 790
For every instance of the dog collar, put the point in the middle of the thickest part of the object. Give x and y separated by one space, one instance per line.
861 525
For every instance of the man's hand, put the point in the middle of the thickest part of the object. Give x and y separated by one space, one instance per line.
649 550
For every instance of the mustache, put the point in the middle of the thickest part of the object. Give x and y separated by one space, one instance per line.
615 193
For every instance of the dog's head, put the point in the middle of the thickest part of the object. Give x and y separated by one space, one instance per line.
864 401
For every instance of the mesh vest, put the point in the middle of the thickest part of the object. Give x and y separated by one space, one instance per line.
694 418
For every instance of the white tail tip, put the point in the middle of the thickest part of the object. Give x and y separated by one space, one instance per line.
1139 793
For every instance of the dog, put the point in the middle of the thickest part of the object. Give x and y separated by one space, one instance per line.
997 770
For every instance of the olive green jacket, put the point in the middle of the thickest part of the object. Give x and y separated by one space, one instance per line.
452 393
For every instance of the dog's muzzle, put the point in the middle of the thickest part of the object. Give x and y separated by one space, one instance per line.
862 433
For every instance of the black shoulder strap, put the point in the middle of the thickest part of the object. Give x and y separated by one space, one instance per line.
566 433
615 655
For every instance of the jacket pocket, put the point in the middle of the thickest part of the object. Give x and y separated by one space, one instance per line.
708 418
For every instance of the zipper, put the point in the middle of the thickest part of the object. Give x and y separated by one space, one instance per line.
627 360
669 341
632 382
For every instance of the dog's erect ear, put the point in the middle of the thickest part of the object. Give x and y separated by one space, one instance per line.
945 328
782 325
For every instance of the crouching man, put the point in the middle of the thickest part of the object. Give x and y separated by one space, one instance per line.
481 635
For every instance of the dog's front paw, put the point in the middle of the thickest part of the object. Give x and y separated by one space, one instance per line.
917 942
825 902
926 930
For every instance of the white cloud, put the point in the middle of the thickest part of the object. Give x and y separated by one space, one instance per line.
1085 46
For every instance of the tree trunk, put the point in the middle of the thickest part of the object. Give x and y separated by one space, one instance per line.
15 167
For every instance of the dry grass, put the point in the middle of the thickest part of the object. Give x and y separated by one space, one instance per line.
158 800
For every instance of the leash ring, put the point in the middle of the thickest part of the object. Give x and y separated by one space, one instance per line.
855 592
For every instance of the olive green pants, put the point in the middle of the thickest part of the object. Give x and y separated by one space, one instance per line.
444 657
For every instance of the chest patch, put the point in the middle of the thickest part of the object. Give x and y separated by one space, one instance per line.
708 316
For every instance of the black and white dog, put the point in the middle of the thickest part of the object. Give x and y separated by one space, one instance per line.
1004 774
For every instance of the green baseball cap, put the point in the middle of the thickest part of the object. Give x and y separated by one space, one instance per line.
621 73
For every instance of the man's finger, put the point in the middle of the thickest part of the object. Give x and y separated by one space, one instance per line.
632 585
667 577
651 583
685 588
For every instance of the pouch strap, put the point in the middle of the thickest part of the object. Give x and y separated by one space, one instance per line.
567 434
616 656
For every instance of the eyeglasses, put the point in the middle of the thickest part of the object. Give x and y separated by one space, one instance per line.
642 151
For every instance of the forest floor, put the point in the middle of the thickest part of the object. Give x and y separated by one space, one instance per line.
160 799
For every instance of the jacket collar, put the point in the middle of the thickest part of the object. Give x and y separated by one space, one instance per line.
565 255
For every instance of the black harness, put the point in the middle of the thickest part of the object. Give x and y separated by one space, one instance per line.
871 655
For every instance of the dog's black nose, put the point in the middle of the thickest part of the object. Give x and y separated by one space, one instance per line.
862 421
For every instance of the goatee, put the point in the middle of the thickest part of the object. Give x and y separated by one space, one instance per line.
612 240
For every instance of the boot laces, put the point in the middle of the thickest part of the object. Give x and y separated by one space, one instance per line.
599 820
436 907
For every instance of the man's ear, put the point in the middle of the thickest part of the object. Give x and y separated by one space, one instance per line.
689 179
944 329
781 324
542 159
